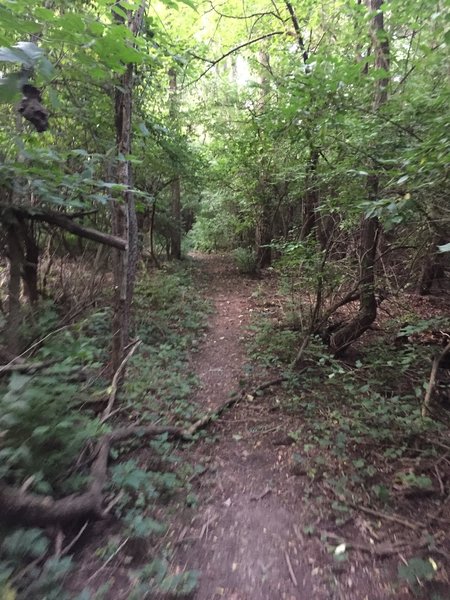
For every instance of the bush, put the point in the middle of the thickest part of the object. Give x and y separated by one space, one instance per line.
245 261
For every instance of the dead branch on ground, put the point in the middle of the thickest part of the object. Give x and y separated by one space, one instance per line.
33 509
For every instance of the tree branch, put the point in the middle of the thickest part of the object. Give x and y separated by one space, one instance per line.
213 63
10 213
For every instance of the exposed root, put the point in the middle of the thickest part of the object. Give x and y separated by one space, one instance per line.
33 509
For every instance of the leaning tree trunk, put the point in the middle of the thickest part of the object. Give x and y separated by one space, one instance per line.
370 227
124 221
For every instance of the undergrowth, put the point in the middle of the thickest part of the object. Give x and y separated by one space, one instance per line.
360 438
49 419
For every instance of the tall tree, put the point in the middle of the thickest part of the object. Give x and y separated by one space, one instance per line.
124 221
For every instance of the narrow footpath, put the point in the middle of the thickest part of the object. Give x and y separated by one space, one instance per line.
245 535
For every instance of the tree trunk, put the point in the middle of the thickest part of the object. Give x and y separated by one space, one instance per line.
264 217
175 186
30 264
311 198
124 221
15 257
263 236
367 313
433 268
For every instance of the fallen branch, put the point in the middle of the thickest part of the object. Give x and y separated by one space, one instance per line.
290 569
380 550
426 406
388 517
376 513
34 509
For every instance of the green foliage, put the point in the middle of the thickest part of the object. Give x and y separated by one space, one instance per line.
42 578
169 317
22 543
157 578
245 261
43 431
417 571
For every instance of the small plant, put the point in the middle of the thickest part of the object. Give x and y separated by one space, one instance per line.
245 261
417 571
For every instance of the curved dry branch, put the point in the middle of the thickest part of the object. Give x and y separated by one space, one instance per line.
33 509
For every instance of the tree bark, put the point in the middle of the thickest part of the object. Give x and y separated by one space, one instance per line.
124 221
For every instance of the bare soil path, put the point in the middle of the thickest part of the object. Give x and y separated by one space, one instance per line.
245 534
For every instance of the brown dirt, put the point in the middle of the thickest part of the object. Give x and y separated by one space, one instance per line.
242 536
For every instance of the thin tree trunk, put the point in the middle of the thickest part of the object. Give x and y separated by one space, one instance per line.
175 186
432 268
15 257
30 264
370 227
124 221
264 234
264 218
311 198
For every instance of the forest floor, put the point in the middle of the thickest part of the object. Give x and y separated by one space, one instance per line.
255 533
329 486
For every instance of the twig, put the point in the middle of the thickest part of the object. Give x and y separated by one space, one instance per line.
427 402
298 358
441 483
113 502
34 345
377 549
387 517
115 381
113 555
299 535
69 547
58 543
291 570
262 495
213 63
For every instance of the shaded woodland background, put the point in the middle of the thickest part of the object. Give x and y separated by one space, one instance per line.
309 140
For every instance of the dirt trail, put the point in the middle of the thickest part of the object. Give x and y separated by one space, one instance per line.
245 534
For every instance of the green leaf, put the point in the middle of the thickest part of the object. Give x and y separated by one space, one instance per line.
10 87
444 248
14 56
